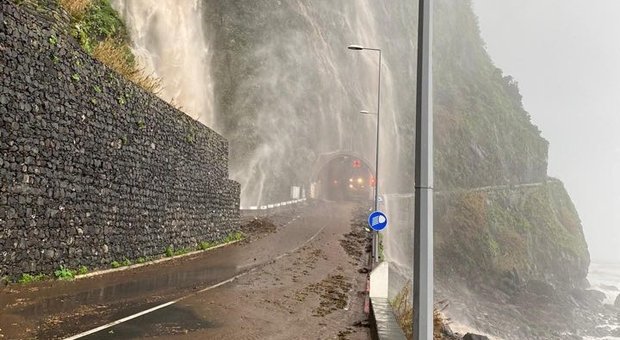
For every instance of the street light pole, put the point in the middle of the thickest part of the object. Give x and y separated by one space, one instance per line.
423 223
375 236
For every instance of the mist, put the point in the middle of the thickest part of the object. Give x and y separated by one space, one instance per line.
169 43
565 54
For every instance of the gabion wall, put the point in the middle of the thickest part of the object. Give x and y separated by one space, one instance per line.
92 168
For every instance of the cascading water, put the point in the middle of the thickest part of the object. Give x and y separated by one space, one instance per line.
275 78
287 88
169 42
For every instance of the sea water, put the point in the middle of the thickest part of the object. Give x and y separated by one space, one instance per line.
605 277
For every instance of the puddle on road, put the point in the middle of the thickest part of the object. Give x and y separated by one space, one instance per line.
102 291
172 320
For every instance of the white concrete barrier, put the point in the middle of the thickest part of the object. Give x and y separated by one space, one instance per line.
274 205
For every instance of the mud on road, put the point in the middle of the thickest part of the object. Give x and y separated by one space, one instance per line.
292 289
316 292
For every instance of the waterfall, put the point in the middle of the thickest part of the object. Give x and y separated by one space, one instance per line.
168 40
287 88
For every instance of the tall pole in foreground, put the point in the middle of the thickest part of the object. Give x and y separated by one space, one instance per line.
423 228
375 234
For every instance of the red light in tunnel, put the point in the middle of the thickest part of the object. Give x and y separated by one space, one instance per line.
357 163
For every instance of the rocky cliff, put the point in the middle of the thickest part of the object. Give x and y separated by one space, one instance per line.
284 66
488 222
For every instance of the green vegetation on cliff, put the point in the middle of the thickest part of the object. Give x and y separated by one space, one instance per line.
285 68
99 30
531 231
485 138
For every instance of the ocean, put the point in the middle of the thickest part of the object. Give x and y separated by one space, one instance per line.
605 277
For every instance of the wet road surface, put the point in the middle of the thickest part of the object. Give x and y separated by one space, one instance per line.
60 309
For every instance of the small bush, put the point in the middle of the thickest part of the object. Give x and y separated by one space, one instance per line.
206 245
75 8
403 311
141 260
64 273
82 270
115 56
169 251
181 251
236 236
27 278
115 264
126 262
53 40
101 32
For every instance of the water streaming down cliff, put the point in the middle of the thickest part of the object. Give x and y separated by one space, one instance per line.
289 90
169 42
286 88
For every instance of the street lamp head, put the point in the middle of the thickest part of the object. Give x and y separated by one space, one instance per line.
356 47
365 112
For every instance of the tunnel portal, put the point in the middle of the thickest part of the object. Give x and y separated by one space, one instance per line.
343 177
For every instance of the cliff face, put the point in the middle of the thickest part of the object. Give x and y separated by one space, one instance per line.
498 214
483 135
283 66
511 236
287 90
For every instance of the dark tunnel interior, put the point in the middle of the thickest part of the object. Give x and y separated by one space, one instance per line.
345 178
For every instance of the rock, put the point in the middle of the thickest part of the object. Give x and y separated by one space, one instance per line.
595 295
363 323
471 336
49 254
540 288
617 303
610 287
588 297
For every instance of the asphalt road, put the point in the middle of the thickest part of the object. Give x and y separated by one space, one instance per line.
57 309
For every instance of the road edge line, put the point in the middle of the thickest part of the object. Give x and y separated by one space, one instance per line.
158 261
144 312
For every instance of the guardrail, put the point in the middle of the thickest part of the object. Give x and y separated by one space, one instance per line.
274 205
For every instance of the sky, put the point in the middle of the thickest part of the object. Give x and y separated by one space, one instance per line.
565 54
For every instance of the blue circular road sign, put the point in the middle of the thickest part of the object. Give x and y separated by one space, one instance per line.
377 221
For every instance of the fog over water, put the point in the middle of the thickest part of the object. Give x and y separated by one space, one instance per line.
565 54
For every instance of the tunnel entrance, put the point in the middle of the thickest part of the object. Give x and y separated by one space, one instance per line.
344 178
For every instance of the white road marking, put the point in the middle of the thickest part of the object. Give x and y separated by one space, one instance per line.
131 317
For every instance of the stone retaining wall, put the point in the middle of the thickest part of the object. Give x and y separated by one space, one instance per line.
92 168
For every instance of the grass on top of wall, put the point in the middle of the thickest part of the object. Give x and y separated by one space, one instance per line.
101 32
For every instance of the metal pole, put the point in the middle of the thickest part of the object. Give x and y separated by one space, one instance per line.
376 233
423 228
